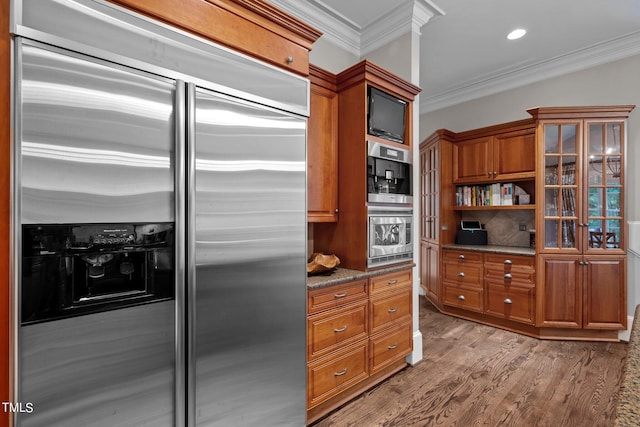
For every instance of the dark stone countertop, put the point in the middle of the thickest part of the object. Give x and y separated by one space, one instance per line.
628 410
495 249
342 275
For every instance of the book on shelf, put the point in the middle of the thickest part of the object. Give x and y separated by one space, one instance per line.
496 194
507 194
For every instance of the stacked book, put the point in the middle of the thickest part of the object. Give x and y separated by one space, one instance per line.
497 194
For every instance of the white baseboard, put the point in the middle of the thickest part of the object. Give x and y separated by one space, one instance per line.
624 335
416 355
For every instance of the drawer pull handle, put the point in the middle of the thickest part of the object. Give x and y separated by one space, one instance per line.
508 261
342 295
392 282
461 256
344 328
461 297
461 274
508 301
392 347
392 310
341 373
508 276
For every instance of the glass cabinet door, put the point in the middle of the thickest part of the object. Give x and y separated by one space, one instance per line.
561 177
429 192
604 169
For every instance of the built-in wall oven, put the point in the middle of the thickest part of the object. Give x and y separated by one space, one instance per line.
390 235
388 174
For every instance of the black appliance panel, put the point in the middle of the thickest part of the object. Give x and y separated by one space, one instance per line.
75 269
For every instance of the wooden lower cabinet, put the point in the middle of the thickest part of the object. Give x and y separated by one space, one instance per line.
429 271
390 346
358 334
336 328
511 302
462 280
489 286
465 298
329 376
510 287
583 291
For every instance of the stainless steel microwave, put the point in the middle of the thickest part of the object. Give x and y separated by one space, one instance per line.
390 238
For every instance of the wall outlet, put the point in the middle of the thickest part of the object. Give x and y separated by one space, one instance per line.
523 227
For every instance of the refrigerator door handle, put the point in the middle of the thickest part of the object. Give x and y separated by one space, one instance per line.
180 252
190 245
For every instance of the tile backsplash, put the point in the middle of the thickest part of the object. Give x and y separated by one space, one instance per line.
503 226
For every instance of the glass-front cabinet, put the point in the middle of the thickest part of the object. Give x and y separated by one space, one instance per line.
583 182
604 183
562 170
580 219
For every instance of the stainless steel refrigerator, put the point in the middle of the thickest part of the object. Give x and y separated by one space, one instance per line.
159 226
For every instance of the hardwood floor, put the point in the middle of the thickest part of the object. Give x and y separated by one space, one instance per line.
475 375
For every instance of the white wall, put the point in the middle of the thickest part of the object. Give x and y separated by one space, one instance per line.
615 83
331 57
396 56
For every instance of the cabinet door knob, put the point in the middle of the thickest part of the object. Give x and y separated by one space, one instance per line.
461 297
508 276
344 328
461 274
461 256
289 59
508 301
336 210
508 261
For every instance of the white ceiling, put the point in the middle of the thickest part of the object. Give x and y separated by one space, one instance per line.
464 53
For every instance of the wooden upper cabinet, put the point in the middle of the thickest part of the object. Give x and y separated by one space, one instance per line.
254 27
473 160
514 155
499 157
322 148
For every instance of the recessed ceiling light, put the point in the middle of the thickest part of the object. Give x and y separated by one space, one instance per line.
516 34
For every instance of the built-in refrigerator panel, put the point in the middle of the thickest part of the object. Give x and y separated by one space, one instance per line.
236 332
94 144
119 35
248 249
96 140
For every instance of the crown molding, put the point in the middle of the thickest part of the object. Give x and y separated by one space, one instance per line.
591 56
336 28
411 15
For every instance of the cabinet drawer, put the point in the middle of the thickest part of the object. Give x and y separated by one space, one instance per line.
510 302
463 273
512 275
510 261
466 298
460 256
390 281
328 331
336 296
391 346
390 309
331 375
